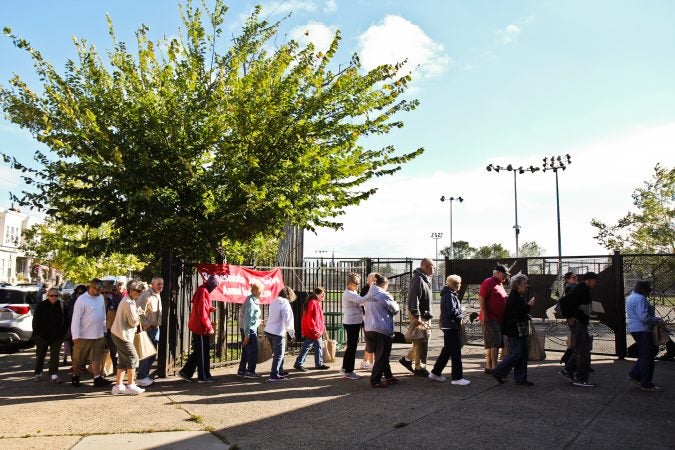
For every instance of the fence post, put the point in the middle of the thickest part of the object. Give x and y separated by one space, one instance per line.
620 333
163 345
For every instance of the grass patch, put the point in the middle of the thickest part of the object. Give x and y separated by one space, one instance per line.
196 418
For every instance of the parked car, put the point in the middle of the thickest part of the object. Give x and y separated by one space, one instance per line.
17 304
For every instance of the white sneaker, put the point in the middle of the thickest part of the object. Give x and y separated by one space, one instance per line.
118 389
435 377
461 382
366 365
350 376
147 381
132 389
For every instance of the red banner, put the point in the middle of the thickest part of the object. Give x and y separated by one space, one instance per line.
235 282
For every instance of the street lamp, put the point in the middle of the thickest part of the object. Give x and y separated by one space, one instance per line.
516 171
450 200
557 163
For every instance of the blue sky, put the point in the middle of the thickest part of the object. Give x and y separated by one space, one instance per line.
498 82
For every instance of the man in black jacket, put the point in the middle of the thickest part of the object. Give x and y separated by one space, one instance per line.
49 328
575 307
419 312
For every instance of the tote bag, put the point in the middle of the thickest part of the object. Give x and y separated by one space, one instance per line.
329 346
660 335
535 345
144 346
264 349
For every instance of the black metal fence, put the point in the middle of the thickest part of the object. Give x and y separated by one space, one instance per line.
617 273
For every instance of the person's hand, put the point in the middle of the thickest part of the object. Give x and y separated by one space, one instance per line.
245 343
212 331
571 321
531 302
75 341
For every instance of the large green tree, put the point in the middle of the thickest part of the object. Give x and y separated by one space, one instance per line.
462 250
530 249
491 251
181 145
651 229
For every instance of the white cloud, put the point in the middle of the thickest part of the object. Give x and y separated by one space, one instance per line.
315 32
511 33
399 219
395 39
330 6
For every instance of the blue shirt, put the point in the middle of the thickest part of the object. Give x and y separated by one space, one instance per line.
640 315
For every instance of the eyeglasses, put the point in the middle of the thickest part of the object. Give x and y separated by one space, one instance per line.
137 290
53 295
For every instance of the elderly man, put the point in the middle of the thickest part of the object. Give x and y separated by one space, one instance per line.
151 303
88 330
492 301
49 328
419 311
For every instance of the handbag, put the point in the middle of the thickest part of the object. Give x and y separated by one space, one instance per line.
144 346
660 335
107 366
536 350
264 349
329 346
417 330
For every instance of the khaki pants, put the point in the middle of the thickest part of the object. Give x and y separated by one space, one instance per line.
418 352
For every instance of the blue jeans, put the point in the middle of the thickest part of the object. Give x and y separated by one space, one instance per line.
304 350
278 344
516 359
249 352
452 349
146 364
199 358
643 369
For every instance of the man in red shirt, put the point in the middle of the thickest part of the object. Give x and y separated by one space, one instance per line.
202 329
492 301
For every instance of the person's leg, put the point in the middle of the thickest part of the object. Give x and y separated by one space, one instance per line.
635 373
98 347
444 356
645 358
318 352
276 342
378 365
423 350
40 353
502 369
454 344
304 351
387 342
571 364
520 359
244 353
54 356
583 352
191 363
206 349
252 351
352 342
201 361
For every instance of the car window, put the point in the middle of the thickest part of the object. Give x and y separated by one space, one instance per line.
7 296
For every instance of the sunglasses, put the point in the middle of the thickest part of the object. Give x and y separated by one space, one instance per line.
53 295
137 290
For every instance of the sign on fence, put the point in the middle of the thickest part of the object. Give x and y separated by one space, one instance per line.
235 282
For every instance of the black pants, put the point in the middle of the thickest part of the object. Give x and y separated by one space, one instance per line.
381 345
352 342
452 349
199 358
41 346
579 363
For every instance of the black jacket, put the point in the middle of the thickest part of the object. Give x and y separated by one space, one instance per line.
419 294
451 311
570 303
49 320
516 310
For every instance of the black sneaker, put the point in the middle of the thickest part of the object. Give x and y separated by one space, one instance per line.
184 376
499 379
300 368
585 383
322 367
407 364
75 381
524 383
101 382
421 372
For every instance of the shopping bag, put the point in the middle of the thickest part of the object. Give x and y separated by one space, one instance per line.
144 346
329 346
264 349
535 345
660 335
417 330
107 366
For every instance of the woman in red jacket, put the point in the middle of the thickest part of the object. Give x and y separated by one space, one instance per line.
313 327
202 329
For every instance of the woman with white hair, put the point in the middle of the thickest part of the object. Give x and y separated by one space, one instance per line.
516 327
249 320
122 331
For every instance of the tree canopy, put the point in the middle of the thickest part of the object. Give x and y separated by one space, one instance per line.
652 228
181 145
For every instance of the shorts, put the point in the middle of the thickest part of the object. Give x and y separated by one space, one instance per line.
492 334
127 357
369 345
88 350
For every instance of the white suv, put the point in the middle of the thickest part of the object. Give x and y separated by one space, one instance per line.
17 304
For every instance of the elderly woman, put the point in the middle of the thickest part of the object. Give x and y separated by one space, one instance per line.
515 328
249 320
123 330
641 319
451 323
379 325
49 328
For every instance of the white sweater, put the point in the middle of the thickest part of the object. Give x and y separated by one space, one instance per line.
88 317
280 318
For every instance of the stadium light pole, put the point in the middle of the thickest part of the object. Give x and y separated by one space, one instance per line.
516 171
450 200
555 164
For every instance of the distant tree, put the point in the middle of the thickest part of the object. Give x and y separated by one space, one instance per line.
462 250
652 228
191 142
531 249
492 251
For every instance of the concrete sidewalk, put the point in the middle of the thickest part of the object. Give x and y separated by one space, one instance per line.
319 409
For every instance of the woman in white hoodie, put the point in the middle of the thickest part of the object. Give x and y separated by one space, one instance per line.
279 322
